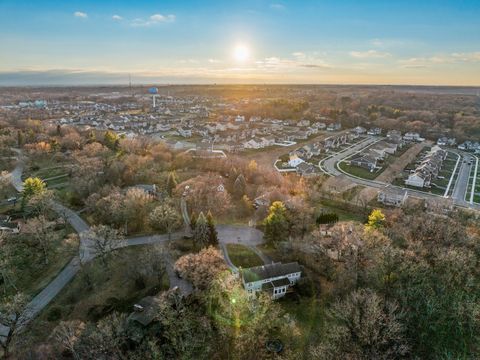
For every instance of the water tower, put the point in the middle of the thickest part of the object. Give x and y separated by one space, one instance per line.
154 92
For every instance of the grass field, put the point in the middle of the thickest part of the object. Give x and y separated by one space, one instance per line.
358 171
242 256
35 274
309 315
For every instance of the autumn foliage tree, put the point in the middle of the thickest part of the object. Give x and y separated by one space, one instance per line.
201 268
276 225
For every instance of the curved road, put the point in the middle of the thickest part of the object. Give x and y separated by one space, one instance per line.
330 167
226 234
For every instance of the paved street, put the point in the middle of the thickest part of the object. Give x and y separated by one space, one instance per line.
226 233
329 166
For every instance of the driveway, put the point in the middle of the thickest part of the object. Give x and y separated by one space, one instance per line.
239 234
226 233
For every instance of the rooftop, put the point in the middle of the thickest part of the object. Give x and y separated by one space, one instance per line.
269 271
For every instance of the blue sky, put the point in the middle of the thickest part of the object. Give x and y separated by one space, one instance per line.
369 41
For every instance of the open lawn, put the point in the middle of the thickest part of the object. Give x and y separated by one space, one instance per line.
358 171
34 274
242 256
308 312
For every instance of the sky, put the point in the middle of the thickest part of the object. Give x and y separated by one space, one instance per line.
419 42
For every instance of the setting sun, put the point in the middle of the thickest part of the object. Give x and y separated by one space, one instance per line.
241 53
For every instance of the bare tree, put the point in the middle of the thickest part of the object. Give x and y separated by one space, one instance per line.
103 240
67 334
40 229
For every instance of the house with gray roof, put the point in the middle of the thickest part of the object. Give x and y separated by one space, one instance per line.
275 279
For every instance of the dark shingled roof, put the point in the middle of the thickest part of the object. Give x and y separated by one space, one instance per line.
150 306
269 271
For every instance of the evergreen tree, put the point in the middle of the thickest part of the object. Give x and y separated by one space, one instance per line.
276 225
212 231
201 232
239 186
193 221
172 182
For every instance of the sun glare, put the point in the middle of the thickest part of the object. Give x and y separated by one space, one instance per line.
241 53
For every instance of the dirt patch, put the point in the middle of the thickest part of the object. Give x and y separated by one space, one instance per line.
389 174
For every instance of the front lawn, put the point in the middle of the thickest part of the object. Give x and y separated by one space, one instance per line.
242 256
358 171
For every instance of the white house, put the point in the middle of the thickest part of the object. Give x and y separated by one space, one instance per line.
359 130
294 161
392 196
412 136
275 279
9 227
418 179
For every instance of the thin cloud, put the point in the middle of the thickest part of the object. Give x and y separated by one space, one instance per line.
117 18
299 55
377 42
214 61
80 14
274 63
369 54
453 58
153 20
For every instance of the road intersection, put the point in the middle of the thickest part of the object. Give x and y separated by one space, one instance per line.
245 235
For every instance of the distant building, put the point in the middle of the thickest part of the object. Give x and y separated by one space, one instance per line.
294 161
375 131
275 279
445 141
359 130
334 127
413 136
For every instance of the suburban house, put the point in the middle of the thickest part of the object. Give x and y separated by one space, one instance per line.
294 161
418 179
334 127
391 196
9 227
428 169
469 146
374 131
445 141
413 136
395 136
359 130
275 279
184 132
306 169
366 161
